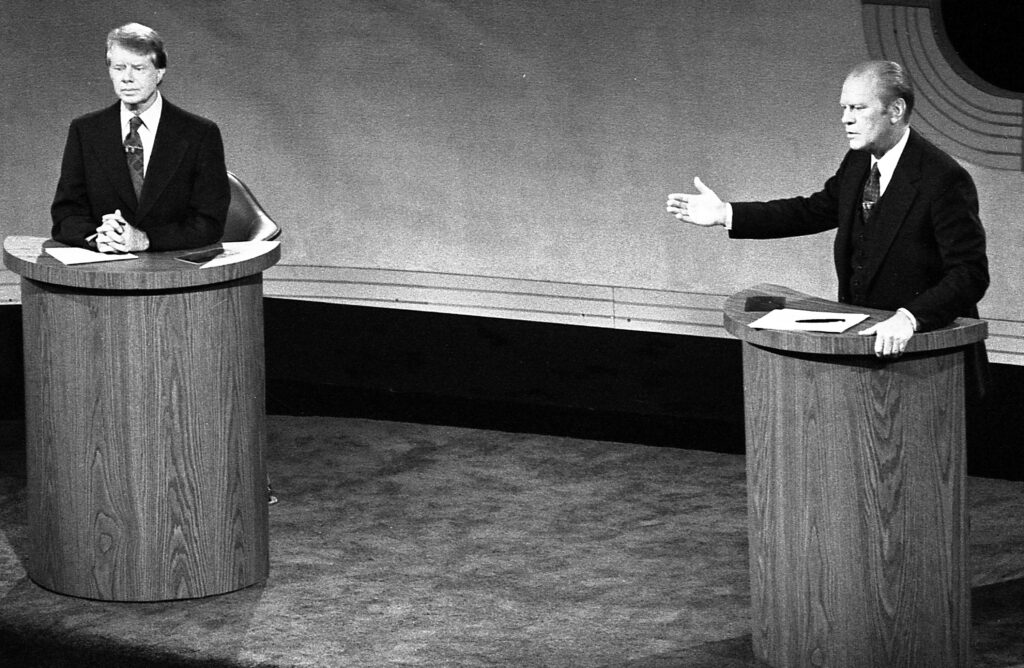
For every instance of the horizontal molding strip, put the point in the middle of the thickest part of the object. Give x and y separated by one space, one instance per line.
10 287
615 307
696 314
1005 341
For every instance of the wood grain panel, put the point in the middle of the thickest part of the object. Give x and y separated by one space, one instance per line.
144 414
856 509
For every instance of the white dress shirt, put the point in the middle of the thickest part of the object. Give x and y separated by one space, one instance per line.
147 131
887 163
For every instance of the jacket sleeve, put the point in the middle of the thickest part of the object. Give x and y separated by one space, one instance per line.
960 240
70 211
209 196
791 217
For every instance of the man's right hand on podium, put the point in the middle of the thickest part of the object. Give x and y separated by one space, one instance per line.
891 335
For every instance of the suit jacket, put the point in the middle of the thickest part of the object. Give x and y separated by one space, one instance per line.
930 252
930 256
185 195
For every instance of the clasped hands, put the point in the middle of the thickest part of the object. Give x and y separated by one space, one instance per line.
706 209
116 235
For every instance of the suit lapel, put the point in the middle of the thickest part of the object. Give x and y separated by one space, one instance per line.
850 194
899 196
849 204
109 149
168 150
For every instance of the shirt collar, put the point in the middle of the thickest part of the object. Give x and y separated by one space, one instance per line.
150 117
887 163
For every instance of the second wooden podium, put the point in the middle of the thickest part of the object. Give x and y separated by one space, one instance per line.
144 405
856 484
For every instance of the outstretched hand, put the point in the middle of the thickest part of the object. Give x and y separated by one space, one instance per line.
705 208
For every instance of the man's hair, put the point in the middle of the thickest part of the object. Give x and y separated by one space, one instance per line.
893 80
139 39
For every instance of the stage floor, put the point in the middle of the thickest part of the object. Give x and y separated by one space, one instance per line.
415 545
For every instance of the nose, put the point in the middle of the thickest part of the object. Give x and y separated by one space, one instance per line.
126 75
847 117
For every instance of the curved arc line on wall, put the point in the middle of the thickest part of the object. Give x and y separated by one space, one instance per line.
989 136
968 117
955 98
950 55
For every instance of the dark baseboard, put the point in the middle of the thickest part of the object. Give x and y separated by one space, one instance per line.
297 398
508 375
657 389
12 368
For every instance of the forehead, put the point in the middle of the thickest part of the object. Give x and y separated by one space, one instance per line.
861 89
118 54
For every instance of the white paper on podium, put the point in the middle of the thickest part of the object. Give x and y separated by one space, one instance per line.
240 251
792 319
74 255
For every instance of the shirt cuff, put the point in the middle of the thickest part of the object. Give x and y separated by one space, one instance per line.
728 217
909 316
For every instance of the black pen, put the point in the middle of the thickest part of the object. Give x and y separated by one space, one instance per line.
821 320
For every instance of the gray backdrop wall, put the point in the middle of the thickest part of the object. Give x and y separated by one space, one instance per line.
496 158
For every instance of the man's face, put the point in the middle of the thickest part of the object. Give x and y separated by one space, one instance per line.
870 124
134 76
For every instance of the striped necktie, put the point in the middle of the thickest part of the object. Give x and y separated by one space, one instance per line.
133 153
871 192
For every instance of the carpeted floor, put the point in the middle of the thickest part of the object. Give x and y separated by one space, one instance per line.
399 544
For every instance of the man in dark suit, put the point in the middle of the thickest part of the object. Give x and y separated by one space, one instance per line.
909 237
141 174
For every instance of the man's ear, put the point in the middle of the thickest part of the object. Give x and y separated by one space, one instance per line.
897 110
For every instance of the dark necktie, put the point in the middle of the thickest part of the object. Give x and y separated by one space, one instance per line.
133 152
871 192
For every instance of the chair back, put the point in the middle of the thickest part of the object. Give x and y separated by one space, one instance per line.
247 221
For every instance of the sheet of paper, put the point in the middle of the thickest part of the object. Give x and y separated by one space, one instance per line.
239 251
792 319
74 255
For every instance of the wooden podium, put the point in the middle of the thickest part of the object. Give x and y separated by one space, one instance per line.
144 403
856 483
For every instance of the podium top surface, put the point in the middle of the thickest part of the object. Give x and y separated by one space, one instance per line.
149 271
961 332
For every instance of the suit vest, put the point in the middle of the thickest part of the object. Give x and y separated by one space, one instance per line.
864 242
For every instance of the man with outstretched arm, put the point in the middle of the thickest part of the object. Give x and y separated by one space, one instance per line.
908 235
